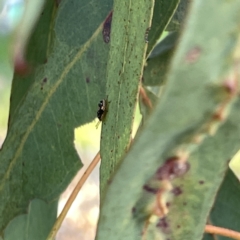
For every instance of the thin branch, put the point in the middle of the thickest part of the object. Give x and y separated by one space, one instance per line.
215 237
72 197
222 231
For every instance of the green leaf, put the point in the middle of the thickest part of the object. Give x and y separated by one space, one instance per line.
36 224
208 167
167 44
159 61
125 66
179 16
38 158
225 212
163 11
196 87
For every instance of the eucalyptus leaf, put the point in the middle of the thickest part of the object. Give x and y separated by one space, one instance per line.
68 59
163 12
179 16
36 224
157 66
125 66
201 69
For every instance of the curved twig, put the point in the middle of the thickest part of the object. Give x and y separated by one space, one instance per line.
222 231
72 197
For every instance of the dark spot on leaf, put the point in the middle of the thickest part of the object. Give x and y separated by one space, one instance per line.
201 182
177 191
150 189
163 224
133 210
219 116
184 204
178 226
230 85
87 80
193 55
172 168
168 204
43 82
106 32
21 67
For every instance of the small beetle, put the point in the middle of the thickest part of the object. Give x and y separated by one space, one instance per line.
101 111
102 108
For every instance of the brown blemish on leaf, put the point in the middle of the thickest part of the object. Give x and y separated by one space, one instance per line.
21 67
193 55
106 32
150 189
172 168
231 85
163 225
43 82
133 210
218 115
177 191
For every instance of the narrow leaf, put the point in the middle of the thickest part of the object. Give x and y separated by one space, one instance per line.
157 66
125 66
163 11
36 224
179 16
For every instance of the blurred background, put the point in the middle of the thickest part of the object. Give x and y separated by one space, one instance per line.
81 220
